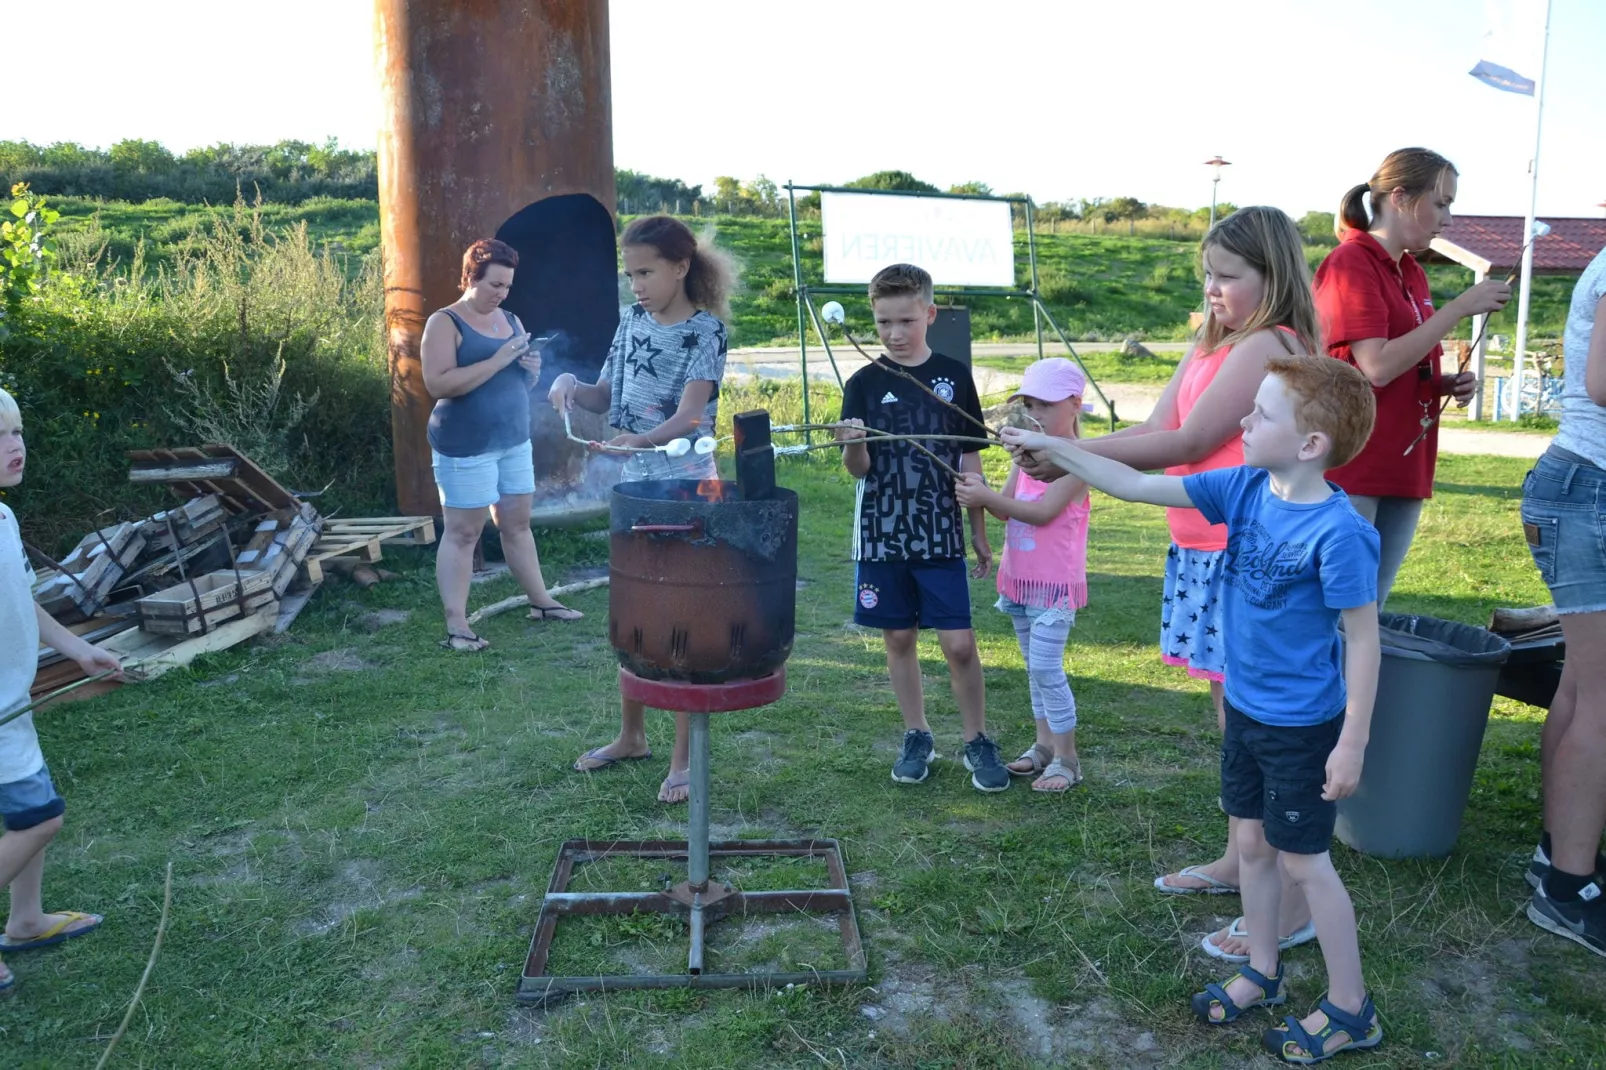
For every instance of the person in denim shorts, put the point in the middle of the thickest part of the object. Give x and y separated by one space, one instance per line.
30 807
1564 520
479 366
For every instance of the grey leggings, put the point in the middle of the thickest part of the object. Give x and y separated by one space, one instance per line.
1043 647
1395 520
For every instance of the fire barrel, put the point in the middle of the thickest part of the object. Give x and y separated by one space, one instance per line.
703 585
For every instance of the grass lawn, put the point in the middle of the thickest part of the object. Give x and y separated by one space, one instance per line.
361 825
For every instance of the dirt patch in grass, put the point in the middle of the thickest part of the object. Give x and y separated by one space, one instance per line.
345 660
384 618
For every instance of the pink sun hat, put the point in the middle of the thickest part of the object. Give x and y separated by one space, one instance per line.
1052 379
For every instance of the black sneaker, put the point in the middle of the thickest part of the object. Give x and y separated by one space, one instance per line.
1539 868
987 773
1582 921
914 764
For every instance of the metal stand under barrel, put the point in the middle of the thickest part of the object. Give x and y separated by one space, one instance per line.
700 901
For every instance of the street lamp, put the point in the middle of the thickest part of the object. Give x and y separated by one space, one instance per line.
1218 163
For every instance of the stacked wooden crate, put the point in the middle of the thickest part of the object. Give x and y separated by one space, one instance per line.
79 589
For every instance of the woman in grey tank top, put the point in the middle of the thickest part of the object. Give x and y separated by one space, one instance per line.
479 367
1564 521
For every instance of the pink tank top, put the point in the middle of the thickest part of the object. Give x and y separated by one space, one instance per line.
1189 529
1045 565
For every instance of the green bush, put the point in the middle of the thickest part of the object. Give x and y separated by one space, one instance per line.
250 335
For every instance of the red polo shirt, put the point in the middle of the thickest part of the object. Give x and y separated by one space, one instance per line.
1362 293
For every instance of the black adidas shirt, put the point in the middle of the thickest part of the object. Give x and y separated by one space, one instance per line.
907 509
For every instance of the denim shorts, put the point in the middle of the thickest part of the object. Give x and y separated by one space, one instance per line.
893 595
30 801
1564 521
1275 774
485 478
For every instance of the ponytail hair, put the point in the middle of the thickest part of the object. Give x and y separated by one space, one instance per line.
1414 171
1268 241
710 275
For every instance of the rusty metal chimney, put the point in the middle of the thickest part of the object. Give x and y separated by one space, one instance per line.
497 124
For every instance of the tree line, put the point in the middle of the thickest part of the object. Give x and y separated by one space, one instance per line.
290 172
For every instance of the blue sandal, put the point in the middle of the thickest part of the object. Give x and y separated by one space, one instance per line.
1362 1030
1215 995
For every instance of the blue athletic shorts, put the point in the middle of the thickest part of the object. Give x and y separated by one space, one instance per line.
30 801
485 478
902 594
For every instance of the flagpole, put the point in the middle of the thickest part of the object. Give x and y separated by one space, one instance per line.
1528 228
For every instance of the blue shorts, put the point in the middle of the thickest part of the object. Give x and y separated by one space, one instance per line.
30 801
485 478
893 595
1564 520
1191 613
1275 774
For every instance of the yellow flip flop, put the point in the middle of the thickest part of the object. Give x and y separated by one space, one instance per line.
57 933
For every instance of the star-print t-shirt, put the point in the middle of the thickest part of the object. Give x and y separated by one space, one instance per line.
1291 568
907 508
650 364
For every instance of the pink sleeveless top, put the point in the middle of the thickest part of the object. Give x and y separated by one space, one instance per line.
1189 529
1045 565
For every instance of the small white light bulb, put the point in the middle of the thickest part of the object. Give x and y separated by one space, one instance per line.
832 312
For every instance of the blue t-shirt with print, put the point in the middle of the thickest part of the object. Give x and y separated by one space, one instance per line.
1290 569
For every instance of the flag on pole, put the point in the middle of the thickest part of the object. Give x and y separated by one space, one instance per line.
1507 48
1502 78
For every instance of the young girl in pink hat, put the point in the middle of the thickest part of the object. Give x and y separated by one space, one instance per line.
1042 581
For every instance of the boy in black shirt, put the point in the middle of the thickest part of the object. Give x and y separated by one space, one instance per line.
909 538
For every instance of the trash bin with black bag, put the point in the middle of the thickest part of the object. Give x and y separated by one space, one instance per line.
1434 689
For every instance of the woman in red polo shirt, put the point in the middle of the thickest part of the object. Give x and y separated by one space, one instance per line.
1376 312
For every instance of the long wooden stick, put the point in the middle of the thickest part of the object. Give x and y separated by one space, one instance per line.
60 691
150 964
523 599
893 367
783 451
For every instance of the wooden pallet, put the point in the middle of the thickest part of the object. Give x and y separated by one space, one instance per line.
362 539
214 468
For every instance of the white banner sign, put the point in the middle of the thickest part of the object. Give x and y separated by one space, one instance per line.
962 243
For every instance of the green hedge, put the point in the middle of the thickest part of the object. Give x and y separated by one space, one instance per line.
251 336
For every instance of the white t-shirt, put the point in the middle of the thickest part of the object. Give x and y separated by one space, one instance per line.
1583 423
20 755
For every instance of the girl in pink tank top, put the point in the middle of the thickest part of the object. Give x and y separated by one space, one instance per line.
1042 580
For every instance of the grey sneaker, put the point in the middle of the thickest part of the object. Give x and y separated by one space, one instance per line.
914 764
1582 921
987 772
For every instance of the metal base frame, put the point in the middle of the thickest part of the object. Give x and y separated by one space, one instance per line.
715 903
700 901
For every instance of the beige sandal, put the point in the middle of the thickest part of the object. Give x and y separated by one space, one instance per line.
1057 768
1038 755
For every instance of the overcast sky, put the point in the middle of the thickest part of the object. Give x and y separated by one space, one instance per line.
1059 99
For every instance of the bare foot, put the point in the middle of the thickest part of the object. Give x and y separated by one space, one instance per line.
1192 878
676 787
1237 943
611 754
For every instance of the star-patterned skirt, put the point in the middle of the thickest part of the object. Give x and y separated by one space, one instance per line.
1191 625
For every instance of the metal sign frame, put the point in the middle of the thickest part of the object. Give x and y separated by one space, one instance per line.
807 314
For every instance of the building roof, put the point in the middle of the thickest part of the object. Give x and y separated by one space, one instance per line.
1493 243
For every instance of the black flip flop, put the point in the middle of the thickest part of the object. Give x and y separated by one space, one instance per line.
485 644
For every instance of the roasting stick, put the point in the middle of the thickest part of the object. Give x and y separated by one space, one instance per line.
675 447
786 451
130 674
1541 228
